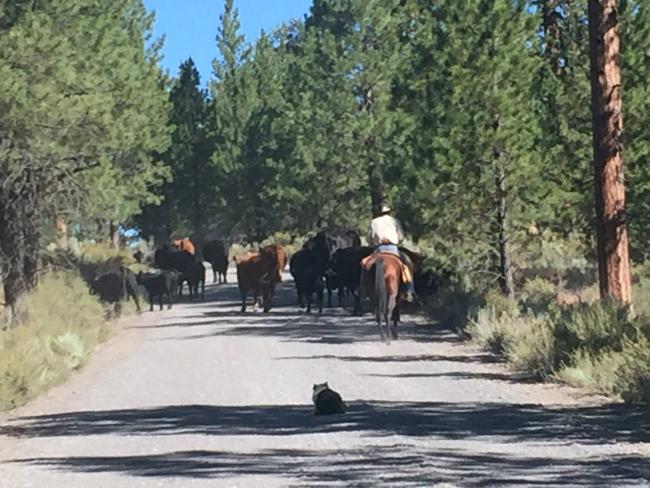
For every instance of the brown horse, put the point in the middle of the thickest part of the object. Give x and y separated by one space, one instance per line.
381 282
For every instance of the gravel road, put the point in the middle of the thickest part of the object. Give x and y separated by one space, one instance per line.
203 396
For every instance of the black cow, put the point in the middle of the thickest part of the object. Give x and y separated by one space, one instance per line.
195 276
179 261
346 263
113 286
216 253
159 285
307 277
324 245
425 281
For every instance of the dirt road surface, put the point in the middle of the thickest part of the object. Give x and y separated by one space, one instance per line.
203 396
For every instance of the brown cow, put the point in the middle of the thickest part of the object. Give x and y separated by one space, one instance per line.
280 260
259 273
184 244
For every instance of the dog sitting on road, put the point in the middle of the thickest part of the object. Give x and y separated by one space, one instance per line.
327 401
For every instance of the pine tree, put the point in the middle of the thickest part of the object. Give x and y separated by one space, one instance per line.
635 60
490 169
76 138
606 107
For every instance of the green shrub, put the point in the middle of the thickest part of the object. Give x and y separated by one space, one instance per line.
592 327
500 303
64 326
491 330
596 372
452 307
537 295
641 295
530 347
103 253
633 375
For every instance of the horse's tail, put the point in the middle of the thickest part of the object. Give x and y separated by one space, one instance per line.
380 290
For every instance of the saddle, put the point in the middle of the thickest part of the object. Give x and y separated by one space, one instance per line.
369 261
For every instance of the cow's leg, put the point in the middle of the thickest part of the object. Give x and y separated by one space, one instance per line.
319 297
202 289
160 300
151 301
169 299
309 298
267 297
356 298
214 275
243 301
133 294
329 296
341 296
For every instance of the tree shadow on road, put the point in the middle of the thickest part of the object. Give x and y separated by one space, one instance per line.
370 422
609 423
371 466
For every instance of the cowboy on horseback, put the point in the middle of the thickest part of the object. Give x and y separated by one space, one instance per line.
384 235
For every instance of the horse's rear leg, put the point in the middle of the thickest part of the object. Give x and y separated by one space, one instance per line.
381 328
395 322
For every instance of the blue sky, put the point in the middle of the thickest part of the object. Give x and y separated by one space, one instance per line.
190 26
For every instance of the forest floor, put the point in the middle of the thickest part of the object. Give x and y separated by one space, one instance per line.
203 396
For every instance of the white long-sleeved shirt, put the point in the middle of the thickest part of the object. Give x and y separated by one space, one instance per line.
385 230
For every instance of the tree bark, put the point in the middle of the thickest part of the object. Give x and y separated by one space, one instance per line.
376 185
114 234
61 232
607 122
552 39
19 273
506 279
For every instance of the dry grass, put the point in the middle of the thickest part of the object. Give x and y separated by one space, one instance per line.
65 325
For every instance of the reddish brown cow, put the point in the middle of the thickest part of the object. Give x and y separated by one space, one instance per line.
259 273
280 260
184 244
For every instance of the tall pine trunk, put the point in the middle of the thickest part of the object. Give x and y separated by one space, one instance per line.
19 268
607 121
506 279
552 39
376 186
114 235
61 229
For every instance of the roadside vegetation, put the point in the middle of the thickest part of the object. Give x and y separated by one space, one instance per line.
556 328
65 325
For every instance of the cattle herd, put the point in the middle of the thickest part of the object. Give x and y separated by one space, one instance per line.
328 262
